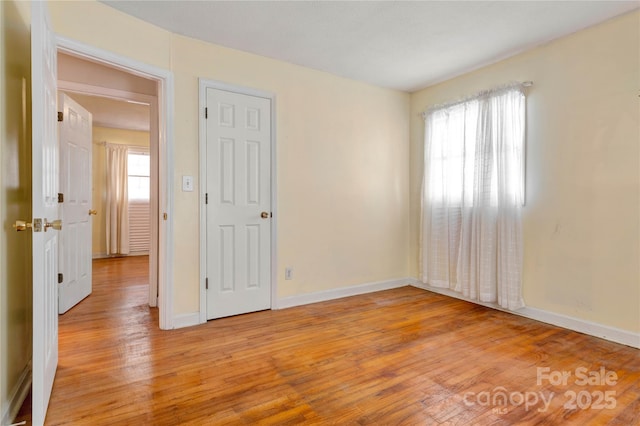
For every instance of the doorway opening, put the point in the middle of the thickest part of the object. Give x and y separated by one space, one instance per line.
104 77
124 194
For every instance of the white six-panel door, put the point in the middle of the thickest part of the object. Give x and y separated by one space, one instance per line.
238 211
75 185
45 209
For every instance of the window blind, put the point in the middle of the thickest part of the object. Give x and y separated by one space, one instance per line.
139 231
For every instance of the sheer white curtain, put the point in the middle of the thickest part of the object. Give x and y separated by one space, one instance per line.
472 197
117 205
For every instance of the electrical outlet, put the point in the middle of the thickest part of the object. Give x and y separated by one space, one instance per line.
288 273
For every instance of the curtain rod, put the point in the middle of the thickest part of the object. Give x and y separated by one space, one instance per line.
527 83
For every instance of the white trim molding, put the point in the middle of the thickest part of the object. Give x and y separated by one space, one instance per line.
606 332
17 396
338 293
165 148
205 84
186 320
104 92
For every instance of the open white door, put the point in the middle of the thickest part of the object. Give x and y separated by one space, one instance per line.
45 209
75 186
238 218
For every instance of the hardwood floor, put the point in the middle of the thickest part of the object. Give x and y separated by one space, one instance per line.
403 356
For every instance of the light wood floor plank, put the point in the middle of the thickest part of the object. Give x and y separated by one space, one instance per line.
402 356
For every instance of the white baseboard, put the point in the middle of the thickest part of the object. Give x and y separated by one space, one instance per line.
606 332
337 293
17 396
186 320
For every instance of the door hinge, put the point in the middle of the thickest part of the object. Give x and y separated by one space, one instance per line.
60 116
60 197
206 112
206 198
206 283
60 278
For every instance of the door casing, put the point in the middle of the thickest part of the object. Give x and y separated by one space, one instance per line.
205 84
165 157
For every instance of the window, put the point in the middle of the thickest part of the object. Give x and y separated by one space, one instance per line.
449 130
475 151
139 193
472 197
138 166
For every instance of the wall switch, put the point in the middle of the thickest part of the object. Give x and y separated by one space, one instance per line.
288 273
187 183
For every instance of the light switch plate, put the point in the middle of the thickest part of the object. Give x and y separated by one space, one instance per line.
187 183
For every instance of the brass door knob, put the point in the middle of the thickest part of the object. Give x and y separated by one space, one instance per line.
264 215
21 225
56 224
93 212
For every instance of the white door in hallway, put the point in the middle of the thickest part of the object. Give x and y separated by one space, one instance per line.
45 209
238 213
75 185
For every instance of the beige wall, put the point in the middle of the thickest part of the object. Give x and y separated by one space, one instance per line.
581 220
342 148
342 182
99 181
103 27
347 205
15 201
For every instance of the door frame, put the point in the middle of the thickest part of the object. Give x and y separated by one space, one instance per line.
205 84
165 102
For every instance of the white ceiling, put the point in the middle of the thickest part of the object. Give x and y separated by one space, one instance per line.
404 45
